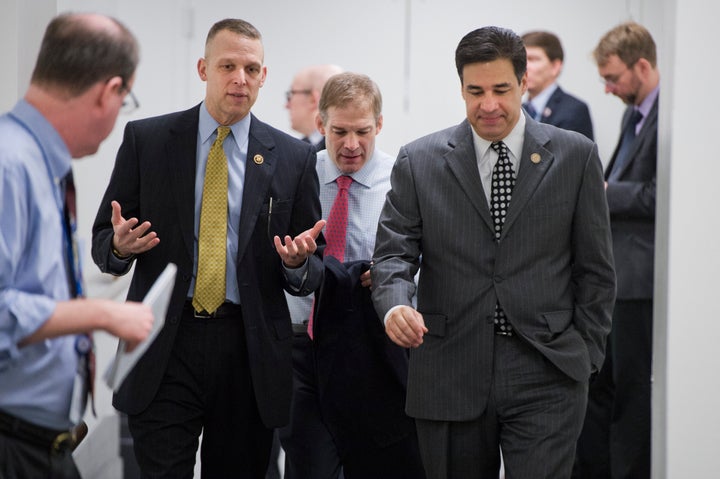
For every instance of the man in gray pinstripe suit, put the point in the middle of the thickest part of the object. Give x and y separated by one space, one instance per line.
511 315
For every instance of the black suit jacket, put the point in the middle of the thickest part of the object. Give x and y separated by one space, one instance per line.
631 200
362 374
153 180
566 111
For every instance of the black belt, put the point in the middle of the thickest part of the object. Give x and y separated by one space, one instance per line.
225 310
300 327
52 439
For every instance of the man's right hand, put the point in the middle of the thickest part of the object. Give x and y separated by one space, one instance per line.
406 327
131 238
130 321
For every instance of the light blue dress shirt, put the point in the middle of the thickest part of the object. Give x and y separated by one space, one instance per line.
36 381
365 202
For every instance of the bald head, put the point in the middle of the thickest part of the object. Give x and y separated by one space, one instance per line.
304 96
80 49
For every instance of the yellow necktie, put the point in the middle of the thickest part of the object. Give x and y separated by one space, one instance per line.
210 281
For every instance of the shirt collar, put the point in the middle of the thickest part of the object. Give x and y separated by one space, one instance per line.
58 157
541 99
315 137
647 104
331 171
207 126
514 140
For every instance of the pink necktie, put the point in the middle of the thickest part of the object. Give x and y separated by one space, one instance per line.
336 229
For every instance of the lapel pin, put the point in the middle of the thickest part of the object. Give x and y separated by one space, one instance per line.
547 112
535 158
258 159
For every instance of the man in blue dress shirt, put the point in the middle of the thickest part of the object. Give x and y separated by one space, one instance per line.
82 79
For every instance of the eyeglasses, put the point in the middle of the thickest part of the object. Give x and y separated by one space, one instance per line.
611 81
289 94
130 103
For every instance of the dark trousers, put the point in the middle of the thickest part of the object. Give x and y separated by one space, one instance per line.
206 388
615 441
310 451
20 460
313 448
534 414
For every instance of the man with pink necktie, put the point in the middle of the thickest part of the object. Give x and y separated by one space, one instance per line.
347 412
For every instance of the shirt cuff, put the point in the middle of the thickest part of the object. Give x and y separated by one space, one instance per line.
296 276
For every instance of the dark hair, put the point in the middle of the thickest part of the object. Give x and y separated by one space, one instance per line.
549 42
630 41
345 88
488 44
235 25
76 54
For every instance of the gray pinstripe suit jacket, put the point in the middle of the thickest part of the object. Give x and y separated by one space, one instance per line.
552 269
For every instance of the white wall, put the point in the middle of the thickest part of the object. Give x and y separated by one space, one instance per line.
408 46
687 389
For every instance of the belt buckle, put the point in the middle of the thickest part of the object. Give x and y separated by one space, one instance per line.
62 441
204 314
69 439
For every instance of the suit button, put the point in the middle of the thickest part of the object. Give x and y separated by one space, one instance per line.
498 279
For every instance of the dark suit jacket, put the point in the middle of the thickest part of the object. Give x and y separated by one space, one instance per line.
320 145
631 199
566 111
552 269
362 374
153 179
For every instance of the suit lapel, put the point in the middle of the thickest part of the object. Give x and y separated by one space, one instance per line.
462 161
649 128
181 151
531 173
259 169
551 107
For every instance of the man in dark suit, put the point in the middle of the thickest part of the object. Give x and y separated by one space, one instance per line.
221 365
347 410
616 438
547 102
507 222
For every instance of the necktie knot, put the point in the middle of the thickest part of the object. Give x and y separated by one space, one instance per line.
222 133
500 148
343 182
635 118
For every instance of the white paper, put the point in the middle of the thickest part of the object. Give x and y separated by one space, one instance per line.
158 299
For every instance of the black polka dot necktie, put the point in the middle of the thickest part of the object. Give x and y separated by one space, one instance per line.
503 181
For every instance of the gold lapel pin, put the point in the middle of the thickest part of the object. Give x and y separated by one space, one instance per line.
535 158
258 159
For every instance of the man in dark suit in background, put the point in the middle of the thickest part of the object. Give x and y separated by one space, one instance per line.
221 213
547 102
615 442
303 99
513 301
